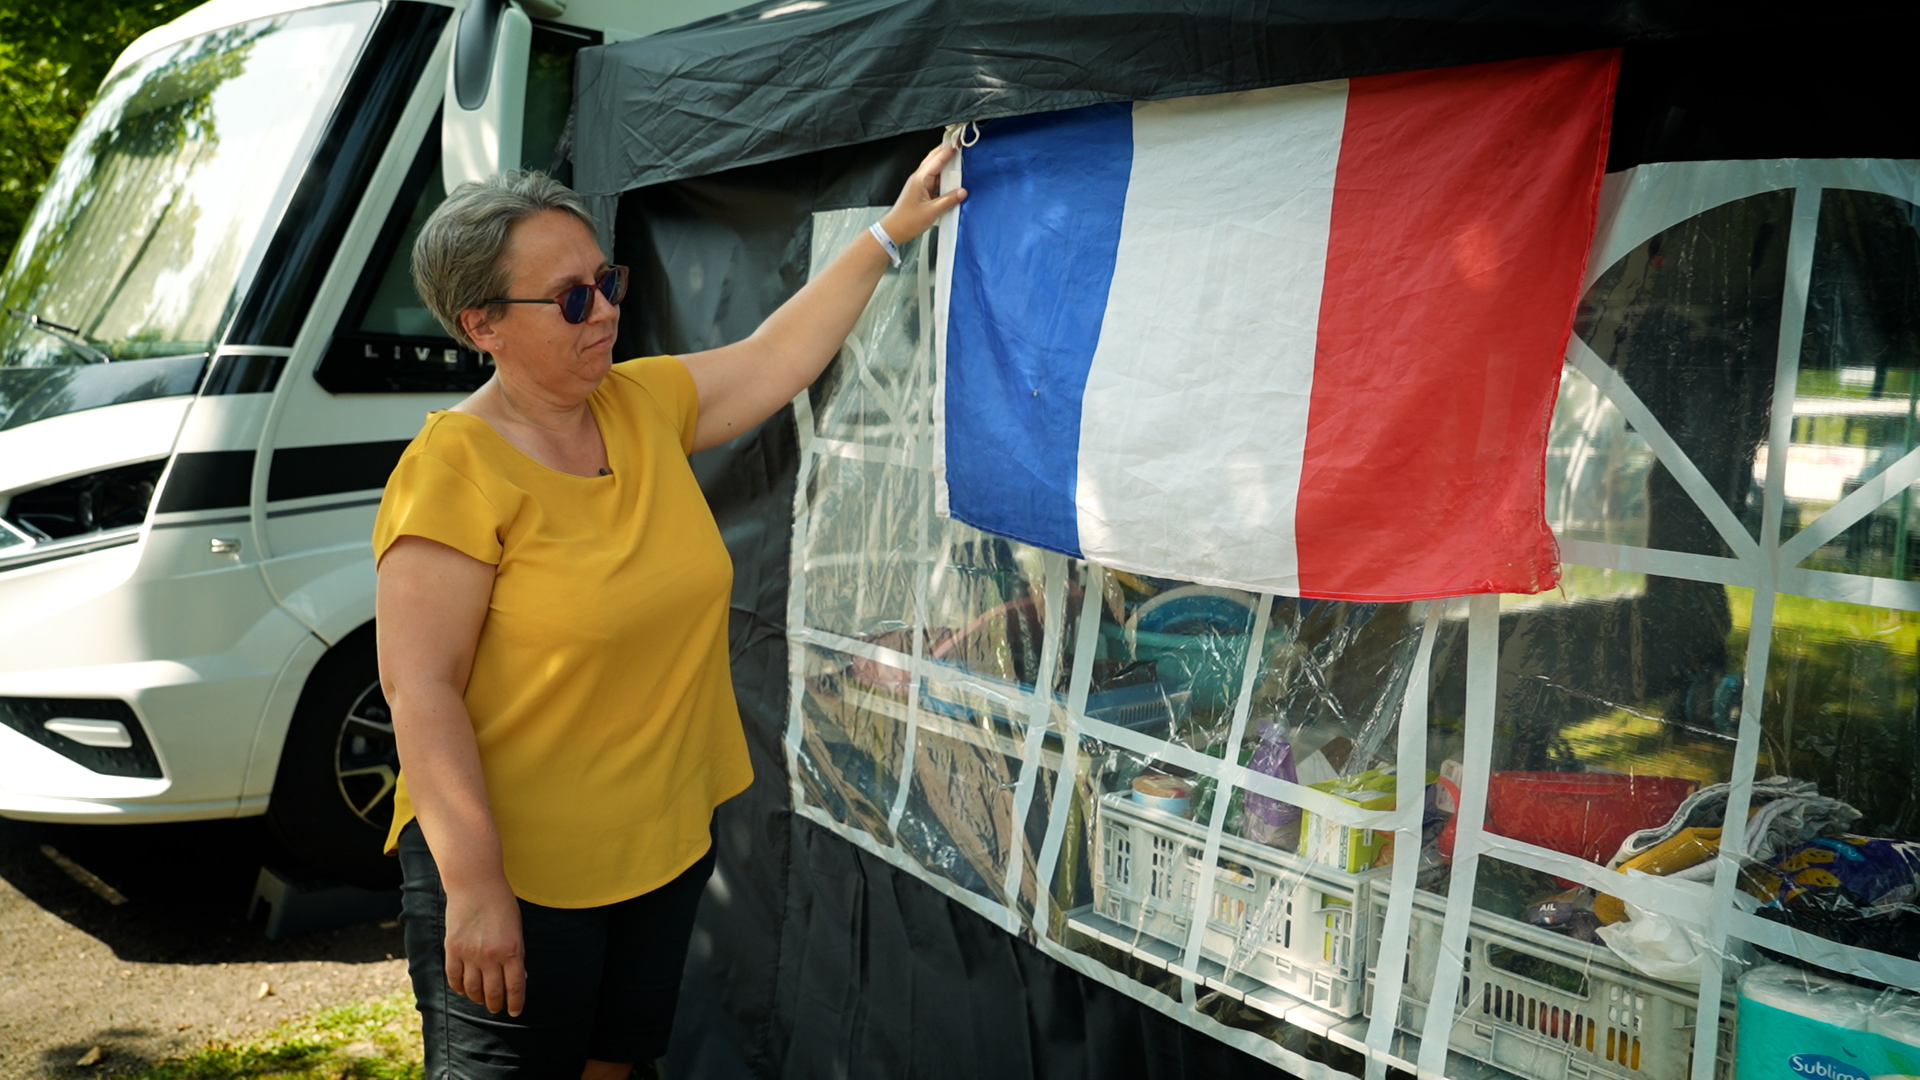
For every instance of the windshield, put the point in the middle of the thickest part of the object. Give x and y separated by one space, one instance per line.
161 204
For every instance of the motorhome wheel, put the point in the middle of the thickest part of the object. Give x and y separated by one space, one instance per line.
333 795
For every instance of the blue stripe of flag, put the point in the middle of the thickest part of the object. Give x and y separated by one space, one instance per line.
1038 237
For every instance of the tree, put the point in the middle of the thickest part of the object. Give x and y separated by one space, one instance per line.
52 60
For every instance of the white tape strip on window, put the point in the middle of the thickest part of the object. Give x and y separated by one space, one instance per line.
1674 564
1411 759
1850 588
947 238
1039 708
917 447
1222 798
910 741
917 457
797 596
1585 361
1086 640
1648 199
1861 502
854 354
1746 752
1884 967
1687 900
1483 673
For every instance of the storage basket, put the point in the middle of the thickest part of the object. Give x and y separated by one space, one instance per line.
1276 919
1545 1006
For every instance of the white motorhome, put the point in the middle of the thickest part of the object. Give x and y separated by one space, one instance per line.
210 358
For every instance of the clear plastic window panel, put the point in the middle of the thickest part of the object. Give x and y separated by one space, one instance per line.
1630 681
1690 319
853 724
1856 409
863 554
1534 836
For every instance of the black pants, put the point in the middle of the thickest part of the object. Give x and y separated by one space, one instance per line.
602 982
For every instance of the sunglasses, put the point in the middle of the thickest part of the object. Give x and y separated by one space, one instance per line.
577 303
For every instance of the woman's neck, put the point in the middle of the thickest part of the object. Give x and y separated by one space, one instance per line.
531 405
555 429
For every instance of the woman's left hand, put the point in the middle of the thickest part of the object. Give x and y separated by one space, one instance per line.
920 203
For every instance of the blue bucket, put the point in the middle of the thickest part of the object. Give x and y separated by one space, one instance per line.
1210 664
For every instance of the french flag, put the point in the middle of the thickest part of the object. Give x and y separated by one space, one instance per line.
1302 340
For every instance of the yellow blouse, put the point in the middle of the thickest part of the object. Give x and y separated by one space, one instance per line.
600 693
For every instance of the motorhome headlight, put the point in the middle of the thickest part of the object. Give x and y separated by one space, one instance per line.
78 506
100 733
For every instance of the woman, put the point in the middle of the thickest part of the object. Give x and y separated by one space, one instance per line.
552 613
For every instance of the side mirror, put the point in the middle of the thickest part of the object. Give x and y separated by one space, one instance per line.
486 92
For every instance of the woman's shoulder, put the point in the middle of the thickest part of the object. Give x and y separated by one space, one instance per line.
462 442
665 385
657 375
447 487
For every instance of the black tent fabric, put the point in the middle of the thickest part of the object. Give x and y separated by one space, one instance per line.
789 77
722 139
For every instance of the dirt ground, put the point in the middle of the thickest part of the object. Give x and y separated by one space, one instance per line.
171 967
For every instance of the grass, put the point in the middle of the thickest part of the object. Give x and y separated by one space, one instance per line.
367 1040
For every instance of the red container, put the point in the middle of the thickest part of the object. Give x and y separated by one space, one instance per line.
1582 814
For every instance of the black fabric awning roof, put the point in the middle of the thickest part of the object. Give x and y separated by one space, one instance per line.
789 77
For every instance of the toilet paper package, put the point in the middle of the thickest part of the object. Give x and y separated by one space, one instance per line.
1797 1025
1896 1019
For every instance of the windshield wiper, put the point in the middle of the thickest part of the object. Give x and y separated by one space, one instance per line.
67 334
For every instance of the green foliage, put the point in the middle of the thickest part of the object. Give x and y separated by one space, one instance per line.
368 1040
52 59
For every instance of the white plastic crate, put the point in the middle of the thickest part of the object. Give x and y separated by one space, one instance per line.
1276 919
1544 1006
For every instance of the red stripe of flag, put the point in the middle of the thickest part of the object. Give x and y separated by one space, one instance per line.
1463 208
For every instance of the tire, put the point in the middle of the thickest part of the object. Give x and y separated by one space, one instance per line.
332 800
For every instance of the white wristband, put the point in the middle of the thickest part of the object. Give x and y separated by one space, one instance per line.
880 234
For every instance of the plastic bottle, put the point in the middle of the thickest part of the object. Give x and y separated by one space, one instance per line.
1270 821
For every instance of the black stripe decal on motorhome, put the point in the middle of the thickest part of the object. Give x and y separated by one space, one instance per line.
347 505
208 480
244 375
301 472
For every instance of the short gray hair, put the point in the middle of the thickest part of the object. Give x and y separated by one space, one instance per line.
459 258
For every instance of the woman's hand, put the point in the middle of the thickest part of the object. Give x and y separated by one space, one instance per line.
744 383
920 203
484 957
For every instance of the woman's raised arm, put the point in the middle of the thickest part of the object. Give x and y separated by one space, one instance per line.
429 607
746 382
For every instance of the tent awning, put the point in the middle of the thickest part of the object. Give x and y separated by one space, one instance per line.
788 77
